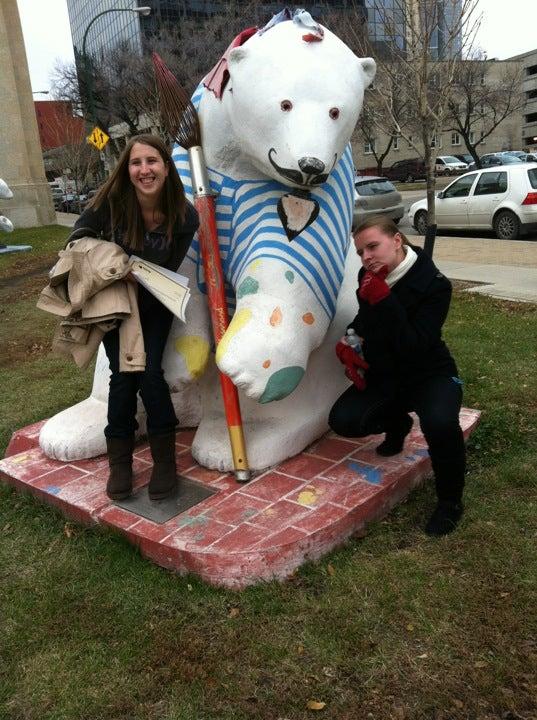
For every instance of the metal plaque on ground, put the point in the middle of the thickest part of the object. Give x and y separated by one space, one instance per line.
188 494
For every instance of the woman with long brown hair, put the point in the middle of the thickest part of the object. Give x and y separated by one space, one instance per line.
142 207
404 301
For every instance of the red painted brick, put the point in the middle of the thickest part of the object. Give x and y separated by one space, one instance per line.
355 494
24 439
271 486
236 508
184 460
241 538
145 529
59 478
185 436
204 475
92 465
281 514
331 448
327 515
304 466
29 465
287 536
76 489
197 532
315 493
342 473
118 517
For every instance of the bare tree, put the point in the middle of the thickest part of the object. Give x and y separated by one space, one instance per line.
417 45
480 99
122 81
71 156
385 114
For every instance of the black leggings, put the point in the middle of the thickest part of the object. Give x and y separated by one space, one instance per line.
436 401
156 321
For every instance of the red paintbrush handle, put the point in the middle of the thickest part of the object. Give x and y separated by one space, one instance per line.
212 266
214 280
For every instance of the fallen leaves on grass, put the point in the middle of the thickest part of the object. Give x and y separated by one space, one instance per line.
315 705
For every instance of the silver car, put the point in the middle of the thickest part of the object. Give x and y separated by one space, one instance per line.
376 196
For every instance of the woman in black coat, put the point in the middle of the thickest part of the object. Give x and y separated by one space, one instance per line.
143 208
406 366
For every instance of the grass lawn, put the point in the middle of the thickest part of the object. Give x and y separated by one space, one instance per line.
395 625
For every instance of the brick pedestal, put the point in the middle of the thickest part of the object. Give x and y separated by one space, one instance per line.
242 534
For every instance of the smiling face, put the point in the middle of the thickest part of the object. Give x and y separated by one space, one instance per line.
377 248
147 172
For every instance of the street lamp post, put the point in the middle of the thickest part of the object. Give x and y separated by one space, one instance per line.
145 10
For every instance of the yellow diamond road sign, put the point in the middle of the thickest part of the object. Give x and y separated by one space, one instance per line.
98 138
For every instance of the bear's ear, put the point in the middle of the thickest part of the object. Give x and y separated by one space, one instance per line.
369 68
236 56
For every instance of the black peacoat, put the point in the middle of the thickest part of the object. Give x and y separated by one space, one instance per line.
402 334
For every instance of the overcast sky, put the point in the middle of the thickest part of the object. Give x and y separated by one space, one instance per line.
506 29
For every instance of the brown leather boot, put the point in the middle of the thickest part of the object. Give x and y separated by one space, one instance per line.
163 480
119 485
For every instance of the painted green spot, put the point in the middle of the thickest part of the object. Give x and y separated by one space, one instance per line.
248 286
281 383
290 276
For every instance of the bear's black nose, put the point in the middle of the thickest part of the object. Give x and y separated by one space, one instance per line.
311 165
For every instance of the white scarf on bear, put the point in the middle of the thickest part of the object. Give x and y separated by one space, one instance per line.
403 267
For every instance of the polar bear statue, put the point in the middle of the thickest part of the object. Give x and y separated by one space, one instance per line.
276 113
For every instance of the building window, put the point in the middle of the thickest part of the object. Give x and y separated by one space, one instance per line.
410 141
482 139
531 70
471 137
436 142
455 138
532 117
395 144
369 147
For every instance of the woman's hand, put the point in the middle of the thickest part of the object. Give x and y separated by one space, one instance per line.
373 287
354 363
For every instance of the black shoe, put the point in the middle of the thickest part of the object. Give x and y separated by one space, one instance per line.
394 441
445 518
163 482
119 485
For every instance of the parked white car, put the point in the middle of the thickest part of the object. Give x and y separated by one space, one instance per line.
503 199
449 165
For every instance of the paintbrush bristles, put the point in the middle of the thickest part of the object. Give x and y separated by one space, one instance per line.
179 116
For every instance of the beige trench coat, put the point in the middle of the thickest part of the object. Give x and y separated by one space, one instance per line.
87 290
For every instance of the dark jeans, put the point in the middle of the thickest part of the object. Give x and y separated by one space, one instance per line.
156 321
436 401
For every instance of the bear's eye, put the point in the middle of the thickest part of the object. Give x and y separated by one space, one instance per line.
334 113
286 105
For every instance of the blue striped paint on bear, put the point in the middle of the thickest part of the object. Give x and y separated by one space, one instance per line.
249 227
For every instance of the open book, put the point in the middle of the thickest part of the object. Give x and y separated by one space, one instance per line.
169 287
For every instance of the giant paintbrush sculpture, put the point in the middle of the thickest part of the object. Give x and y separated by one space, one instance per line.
181 121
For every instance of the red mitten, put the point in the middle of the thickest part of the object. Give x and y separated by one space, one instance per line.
373 287
354 362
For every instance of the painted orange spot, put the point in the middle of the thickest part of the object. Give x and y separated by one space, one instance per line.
308 318
266 364
276 317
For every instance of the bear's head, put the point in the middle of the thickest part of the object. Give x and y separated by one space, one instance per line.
293 103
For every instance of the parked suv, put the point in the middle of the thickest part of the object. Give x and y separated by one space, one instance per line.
406 170
449 165
503 199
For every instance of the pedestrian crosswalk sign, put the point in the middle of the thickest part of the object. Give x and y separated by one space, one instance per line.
98 138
